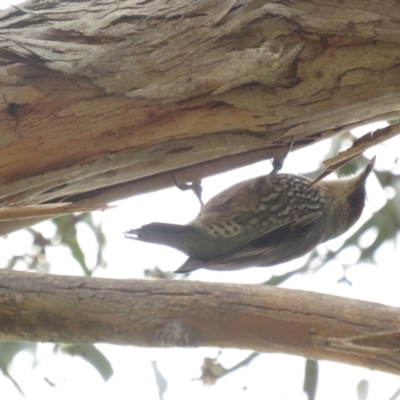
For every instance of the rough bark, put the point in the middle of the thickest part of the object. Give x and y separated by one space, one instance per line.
98 96
38 307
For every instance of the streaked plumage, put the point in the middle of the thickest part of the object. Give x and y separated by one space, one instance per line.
263 221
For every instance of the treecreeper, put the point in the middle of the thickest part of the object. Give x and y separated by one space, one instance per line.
263 221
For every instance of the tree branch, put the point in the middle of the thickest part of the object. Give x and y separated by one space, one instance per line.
97 94
36 307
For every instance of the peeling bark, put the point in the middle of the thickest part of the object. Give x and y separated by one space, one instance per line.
96 97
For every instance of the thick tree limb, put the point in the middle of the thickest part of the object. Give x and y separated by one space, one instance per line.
97 94
37 307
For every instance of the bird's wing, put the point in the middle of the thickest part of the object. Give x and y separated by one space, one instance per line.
265 246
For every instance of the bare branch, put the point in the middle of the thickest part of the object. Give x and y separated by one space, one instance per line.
36 307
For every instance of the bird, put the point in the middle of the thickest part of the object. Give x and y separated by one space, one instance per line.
263 221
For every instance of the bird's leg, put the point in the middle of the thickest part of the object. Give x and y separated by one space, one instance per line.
277 162
194 186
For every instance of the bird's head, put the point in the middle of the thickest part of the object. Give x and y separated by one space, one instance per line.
348 199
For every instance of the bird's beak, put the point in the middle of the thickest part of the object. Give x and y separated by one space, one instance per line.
368 169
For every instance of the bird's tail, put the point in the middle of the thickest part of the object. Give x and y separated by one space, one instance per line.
172 235
191 264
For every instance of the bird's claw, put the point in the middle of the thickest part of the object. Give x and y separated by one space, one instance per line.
194 186
277 162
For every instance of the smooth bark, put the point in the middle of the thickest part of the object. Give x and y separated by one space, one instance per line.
37 307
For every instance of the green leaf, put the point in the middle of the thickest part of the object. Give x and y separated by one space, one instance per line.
311 379
362 389
66 229
8 350
92 355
